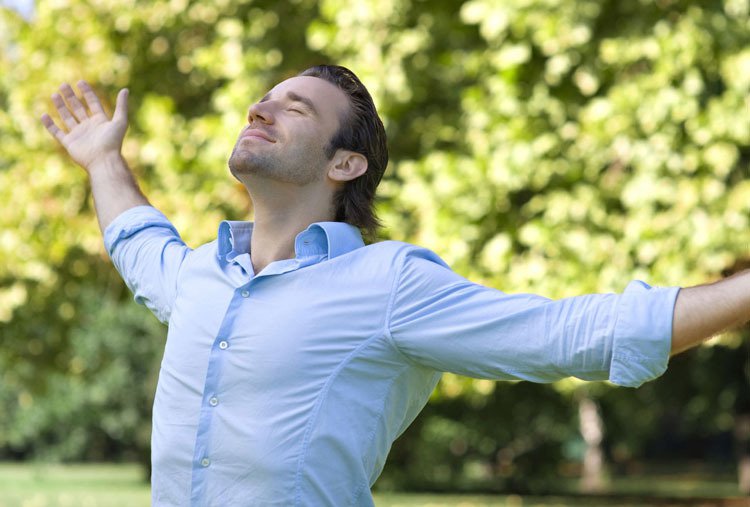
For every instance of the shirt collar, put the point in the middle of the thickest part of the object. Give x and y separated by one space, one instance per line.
234 238
330 239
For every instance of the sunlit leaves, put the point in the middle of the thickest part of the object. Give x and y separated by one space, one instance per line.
547 146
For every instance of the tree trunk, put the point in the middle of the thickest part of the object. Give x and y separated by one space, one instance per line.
592 430
742 438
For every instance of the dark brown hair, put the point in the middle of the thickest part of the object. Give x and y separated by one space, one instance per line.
360 131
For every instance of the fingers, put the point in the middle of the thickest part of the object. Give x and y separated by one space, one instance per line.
72 111
75 106
92 101
52 128
62 109
121 106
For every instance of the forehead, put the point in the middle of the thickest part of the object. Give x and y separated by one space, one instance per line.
327 97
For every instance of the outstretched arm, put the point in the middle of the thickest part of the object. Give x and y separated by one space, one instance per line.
703 311
94 141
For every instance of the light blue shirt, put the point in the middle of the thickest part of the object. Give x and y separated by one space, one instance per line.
287 387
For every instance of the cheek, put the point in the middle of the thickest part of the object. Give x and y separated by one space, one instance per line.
313 142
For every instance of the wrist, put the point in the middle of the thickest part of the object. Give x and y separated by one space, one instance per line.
107 163
110 170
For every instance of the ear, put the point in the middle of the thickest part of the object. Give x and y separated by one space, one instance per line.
347 165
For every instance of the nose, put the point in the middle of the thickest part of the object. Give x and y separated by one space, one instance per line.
258 112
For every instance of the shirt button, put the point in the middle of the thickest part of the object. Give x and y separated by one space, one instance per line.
245 293
223 344
205 462
213 401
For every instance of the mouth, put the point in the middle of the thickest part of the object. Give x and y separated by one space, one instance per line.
256 134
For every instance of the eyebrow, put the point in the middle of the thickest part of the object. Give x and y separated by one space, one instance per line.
294 98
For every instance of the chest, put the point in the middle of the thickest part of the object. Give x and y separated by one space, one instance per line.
274 331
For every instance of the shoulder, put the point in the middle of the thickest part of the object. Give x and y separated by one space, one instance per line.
398 248
205 253
401 255
210 248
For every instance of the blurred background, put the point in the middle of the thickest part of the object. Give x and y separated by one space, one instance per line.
557 147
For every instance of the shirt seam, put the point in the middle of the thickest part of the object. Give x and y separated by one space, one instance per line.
115 224
178 285
389 312
371 436
521 371
132 230
617 354
314 416
165 223
632 356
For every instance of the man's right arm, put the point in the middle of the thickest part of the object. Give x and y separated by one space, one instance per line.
144 246
94 141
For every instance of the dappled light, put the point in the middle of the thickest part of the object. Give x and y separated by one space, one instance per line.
549 147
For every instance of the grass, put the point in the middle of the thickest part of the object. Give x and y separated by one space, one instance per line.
120 485
47 485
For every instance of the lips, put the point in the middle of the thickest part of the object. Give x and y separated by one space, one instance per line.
255 133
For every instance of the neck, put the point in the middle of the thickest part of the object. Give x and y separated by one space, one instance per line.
280 215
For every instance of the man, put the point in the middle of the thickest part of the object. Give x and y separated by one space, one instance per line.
296 354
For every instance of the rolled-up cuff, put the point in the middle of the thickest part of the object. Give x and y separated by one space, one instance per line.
130 222
642 334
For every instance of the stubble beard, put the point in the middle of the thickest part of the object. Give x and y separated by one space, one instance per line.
301 169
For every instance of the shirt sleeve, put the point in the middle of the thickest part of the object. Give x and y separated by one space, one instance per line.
148 252
443 321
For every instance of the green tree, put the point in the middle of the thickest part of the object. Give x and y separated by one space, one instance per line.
549 146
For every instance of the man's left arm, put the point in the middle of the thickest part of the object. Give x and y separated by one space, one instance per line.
703 311
445 322
442 321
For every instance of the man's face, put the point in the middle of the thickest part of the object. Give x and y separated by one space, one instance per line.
288 131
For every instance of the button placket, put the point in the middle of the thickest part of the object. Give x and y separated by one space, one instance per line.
212 386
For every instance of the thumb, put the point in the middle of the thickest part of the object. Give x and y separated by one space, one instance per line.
121 107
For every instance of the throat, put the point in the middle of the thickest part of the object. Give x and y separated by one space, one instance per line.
264 253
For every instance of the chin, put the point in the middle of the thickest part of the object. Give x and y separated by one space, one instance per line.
243 162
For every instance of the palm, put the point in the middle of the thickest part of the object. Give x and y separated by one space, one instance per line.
91 135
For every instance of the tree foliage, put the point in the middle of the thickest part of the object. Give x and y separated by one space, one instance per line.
549 146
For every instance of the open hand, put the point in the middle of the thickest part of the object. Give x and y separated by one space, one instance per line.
90 136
